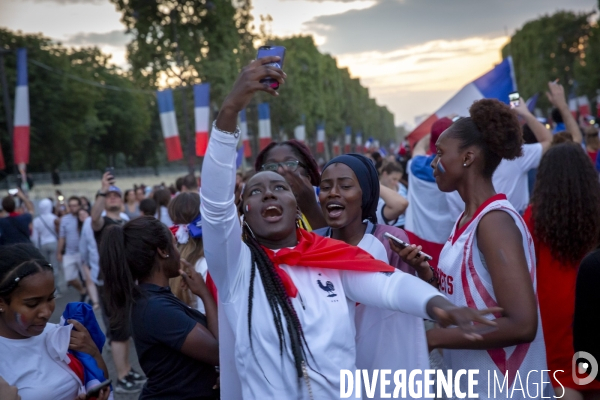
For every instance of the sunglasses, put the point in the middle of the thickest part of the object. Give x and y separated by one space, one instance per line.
291 166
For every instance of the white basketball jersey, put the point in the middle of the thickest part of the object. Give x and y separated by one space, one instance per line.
466 282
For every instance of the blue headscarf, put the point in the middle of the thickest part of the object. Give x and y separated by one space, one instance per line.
368 179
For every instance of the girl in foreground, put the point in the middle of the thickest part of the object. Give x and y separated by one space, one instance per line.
286 292
34 353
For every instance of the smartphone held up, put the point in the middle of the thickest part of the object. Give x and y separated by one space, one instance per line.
269 51
515 99
402 244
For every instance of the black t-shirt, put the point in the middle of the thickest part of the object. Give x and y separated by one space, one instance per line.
587 303
160 324
107 222
15 229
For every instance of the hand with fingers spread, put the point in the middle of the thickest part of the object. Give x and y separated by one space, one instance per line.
556 95
470 321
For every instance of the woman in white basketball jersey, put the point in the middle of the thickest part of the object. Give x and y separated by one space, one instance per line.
489 259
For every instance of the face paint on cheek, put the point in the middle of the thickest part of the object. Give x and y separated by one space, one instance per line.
440 167
21 320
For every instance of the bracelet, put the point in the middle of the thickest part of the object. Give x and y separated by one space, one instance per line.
99 193
235 134
434 277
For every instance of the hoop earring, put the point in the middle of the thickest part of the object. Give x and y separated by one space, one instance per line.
250 230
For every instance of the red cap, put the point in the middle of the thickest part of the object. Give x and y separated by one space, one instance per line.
437 129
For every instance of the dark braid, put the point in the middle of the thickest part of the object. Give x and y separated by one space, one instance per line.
279 302
17 262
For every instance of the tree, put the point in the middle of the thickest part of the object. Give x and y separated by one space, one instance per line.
548 48
75 125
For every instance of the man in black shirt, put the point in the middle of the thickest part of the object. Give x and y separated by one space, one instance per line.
110 200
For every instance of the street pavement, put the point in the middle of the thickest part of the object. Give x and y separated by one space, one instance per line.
71 295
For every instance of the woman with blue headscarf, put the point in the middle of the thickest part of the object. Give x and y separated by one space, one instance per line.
349 198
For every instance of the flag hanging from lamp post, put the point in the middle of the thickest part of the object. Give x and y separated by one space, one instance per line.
168 122
21 121
202 116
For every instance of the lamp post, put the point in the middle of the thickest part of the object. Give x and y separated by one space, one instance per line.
6 100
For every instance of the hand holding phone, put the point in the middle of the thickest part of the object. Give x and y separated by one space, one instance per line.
266 51
95 391
402 244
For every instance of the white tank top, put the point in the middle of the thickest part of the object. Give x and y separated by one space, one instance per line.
466 282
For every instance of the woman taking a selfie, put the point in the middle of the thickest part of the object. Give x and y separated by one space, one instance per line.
34 352
284 291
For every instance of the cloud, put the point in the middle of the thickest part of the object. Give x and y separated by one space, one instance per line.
393 24
116 38
418 79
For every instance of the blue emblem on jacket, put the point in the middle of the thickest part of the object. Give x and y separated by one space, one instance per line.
328 287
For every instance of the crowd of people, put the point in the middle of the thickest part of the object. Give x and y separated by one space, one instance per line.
265 284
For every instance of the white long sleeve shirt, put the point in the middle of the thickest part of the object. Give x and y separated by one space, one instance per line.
324 314
88 249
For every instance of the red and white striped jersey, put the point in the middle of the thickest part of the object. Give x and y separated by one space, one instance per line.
465 280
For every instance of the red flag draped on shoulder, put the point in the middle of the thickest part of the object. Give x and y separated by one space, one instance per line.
320 252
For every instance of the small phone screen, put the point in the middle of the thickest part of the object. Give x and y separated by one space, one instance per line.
514 99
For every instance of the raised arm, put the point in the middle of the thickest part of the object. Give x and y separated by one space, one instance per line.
420 148
99 204
395 204
543 135
556 95
221 229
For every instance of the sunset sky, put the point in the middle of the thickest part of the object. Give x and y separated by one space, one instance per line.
412 54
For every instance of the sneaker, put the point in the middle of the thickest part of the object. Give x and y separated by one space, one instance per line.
126 386
134 377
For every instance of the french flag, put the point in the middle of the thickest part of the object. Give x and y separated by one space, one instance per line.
320 138
336 147
202 116
359 147
573 106
168 122
264 125
21 130
496 84
584 105
300 133
347 140
245 138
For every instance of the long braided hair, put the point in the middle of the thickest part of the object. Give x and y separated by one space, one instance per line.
279 302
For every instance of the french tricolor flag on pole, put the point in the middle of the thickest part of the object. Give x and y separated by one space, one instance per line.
168 122
496 84
347 140
320 138
264 125
245 138
21 129
359 143
584 105
202 115
336 147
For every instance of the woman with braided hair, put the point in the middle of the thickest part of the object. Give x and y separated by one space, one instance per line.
288 295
